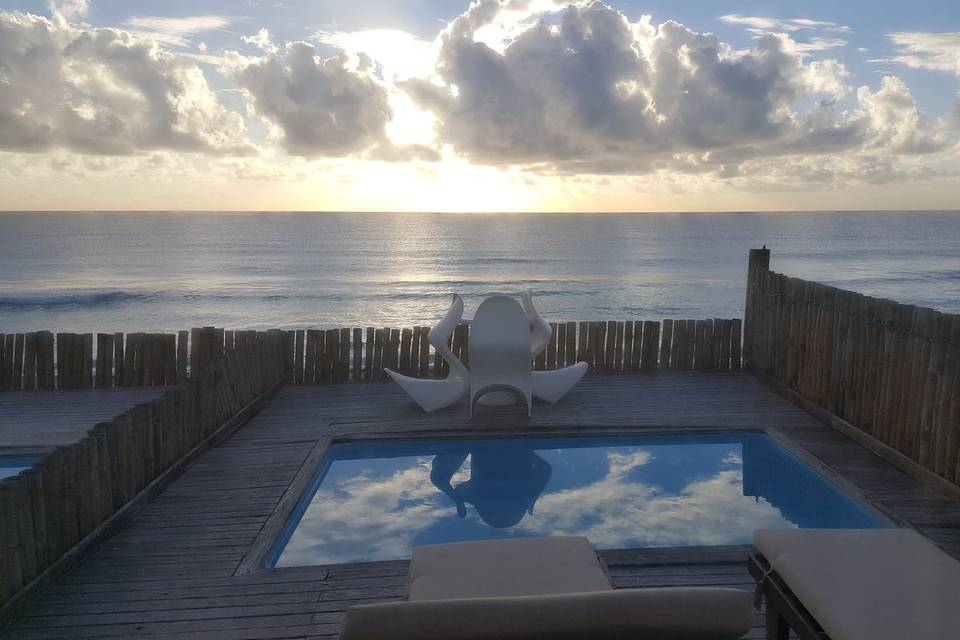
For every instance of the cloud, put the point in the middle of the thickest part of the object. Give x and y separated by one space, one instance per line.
758 24
69 9
104 92
894 121
821 44
261 40
588 91
543 87
400 54
175 32
934 51
596 93
761 26
321 107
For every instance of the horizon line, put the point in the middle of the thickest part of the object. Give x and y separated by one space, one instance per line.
369 212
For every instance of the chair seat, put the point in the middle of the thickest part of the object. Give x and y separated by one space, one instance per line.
500 568
872 584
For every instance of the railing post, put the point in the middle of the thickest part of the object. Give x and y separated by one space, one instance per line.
757 265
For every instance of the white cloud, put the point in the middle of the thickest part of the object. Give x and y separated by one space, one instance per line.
543 87
821 44
758 24
261 40
596 93
397 56
321 107
400 54
891 116
102 91
588 91
69 9
761 26
935 51
175 32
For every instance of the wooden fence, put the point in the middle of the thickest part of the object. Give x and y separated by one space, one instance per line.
43 360
338 355
890 370
49 509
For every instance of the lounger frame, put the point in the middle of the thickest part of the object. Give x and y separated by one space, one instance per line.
784 610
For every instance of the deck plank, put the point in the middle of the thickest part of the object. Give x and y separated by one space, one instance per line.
170 572
38 420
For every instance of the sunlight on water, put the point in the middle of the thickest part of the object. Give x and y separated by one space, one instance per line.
378 501
117 272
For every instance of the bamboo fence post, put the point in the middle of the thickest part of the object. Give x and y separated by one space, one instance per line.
298 364
406 340
18 362
666 344
46 368
758 263
29 361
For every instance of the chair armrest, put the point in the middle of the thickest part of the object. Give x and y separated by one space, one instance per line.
682 613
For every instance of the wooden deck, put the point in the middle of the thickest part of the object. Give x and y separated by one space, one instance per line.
41 420
170 573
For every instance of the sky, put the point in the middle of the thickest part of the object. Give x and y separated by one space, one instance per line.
495 105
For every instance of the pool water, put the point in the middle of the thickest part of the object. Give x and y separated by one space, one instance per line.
13 466
376 501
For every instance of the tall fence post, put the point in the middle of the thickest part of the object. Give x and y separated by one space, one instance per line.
758 265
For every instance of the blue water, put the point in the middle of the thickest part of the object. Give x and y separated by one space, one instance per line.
169 271
13 466
377 501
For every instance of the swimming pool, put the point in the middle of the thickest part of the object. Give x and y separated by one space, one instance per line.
13 466
376 501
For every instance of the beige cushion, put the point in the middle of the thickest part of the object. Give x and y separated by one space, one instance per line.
871 584
523 567
690 613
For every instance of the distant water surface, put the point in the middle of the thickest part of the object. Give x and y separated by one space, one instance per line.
167 271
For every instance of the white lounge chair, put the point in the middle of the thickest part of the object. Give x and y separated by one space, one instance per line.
856 584
430 394
551 385
500 348
540 588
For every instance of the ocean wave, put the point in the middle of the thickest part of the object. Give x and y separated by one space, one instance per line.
106 299
71 300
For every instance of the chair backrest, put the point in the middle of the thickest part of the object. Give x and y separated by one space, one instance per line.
541 330
441 332
500 337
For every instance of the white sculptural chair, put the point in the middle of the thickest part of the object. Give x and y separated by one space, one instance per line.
500 348
430 394
552 385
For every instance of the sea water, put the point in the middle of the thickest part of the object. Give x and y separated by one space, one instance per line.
169 271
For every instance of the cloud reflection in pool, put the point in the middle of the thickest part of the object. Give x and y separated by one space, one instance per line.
377 501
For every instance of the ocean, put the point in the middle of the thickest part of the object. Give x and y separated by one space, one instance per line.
167 271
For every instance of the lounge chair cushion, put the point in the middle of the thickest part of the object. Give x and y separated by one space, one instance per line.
522 567
686 613
872 584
